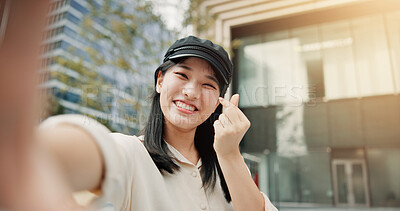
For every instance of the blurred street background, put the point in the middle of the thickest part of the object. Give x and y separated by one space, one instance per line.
318 79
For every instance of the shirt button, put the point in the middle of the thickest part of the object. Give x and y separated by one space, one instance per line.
203 206
194 174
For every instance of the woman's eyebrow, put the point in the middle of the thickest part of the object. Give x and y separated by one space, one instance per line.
208 76
185 67
212 78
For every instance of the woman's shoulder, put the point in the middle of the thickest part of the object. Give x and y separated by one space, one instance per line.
130 147
129 143
127 139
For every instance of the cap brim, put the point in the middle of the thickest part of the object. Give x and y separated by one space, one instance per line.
204 56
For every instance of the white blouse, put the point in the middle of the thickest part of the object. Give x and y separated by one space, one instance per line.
133 182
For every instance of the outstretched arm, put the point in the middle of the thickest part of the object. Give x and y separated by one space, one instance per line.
29 180
75 153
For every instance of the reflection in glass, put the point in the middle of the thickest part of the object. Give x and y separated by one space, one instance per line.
315 178
250 73
341 183
290 131
338 57
350 182
273 72
351 58
303 179
358 184
384 174
334 60
311 58
372 56
393 33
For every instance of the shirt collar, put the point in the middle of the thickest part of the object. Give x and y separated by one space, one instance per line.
179 157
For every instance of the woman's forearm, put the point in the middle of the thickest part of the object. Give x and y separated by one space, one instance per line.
75 153
244 192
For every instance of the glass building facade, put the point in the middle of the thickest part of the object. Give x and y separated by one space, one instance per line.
322 93
117 98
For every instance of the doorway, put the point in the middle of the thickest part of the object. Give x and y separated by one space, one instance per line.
350 183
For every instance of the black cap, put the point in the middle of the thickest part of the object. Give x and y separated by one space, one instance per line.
205 49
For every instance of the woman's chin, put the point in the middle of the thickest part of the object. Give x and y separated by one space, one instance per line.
185 123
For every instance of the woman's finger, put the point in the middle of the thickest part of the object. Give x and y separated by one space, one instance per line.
217 126
231 110
224 102
224 120
235 100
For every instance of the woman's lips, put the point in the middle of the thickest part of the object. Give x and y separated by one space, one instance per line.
185 108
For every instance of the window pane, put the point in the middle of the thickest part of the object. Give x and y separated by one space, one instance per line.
311 57
262 133
358 184
342 183
289 180
384 172
250 73
381 121
316 127
315 189
296 178
338 60
345 123
79 7
285 74
69 32
372 56
272 72
393 29
73 19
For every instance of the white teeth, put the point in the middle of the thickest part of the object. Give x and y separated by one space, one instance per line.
185 106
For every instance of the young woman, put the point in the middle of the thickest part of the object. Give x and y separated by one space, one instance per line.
188 157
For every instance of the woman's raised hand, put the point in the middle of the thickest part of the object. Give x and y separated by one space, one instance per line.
230 127
229 131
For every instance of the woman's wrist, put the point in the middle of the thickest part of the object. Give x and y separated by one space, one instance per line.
231 156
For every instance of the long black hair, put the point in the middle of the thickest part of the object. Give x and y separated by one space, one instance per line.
203 141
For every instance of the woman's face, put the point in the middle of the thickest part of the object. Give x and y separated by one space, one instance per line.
188 93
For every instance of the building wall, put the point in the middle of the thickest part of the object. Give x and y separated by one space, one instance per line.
299 170
234 14
319 80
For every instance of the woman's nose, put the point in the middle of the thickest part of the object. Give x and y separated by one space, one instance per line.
191 91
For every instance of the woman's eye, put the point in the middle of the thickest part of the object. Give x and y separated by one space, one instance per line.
182 74
211 86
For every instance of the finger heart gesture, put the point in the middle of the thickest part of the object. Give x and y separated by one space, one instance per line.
230 127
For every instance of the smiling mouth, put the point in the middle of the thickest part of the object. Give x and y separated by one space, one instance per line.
185 106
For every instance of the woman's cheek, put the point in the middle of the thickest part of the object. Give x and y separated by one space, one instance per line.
210 97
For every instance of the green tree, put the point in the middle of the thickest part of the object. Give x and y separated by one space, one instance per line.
200 20
124 45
